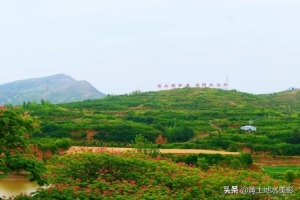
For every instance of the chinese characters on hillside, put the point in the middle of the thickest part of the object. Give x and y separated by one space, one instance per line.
217 85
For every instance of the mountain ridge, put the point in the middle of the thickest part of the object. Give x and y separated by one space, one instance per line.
58 88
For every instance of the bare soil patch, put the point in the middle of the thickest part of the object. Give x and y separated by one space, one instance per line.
264 160
74 149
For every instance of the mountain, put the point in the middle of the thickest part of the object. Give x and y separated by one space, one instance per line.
59 88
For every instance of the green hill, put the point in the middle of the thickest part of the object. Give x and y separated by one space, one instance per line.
207 118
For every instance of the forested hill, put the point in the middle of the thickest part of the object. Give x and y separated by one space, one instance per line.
193 98
179 115
56 89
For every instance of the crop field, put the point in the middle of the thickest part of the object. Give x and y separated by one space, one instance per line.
278 171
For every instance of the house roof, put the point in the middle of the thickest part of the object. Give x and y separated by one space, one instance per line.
248 126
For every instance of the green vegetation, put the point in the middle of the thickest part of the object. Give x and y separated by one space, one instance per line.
51 144
142 145
107 175
205 161
200 118
15 154
279 171
289 176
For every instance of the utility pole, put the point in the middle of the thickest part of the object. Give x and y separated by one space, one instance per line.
227 82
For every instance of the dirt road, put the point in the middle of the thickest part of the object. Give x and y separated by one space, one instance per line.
173 151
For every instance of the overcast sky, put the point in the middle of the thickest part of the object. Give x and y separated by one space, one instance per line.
125 45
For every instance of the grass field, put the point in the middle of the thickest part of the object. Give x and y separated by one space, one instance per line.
278 171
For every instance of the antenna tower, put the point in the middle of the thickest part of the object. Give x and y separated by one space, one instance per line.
227 82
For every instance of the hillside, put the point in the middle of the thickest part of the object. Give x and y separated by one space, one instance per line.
208 118
55 89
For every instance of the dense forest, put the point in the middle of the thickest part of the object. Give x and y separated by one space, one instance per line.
202 118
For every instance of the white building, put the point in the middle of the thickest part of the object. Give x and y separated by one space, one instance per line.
248 128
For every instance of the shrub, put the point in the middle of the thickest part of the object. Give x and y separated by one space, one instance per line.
203 164
289 176
235 163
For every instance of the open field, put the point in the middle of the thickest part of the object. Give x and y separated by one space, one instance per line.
276 166
280 169
174 151
277 172
263 160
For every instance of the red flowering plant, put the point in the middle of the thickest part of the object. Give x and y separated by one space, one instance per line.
129 175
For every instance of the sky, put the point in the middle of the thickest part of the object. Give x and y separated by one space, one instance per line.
121 46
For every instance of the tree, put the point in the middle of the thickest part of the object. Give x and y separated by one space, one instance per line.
246 159
235 163
43 101
179 133
15 154
298 173
142 145
233 147
289 176
294 138
203 164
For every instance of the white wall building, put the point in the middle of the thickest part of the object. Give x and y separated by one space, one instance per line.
248 128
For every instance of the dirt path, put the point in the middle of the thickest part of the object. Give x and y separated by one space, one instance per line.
215 126
174 151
